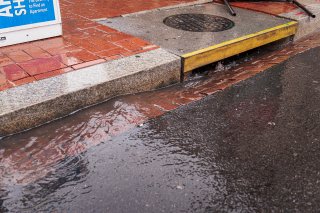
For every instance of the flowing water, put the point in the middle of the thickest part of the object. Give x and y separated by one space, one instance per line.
252 147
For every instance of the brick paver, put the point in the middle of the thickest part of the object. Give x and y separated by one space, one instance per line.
84 41
274 8
269 7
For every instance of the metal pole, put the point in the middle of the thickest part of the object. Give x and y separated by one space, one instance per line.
226 2
303 8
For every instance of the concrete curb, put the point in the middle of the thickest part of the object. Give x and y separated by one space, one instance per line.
33 104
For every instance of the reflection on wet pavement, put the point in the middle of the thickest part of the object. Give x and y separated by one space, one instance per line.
252 147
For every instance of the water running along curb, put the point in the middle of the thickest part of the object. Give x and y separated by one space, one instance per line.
33 104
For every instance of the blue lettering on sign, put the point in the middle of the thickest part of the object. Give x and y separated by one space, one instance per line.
15 13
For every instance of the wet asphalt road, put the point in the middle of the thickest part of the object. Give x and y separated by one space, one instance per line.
250 148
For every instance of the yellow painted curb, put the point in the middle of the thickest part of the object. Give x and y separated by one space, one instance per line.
233 47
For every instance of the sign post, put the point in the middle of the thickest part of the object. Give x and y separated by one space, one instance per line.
28 20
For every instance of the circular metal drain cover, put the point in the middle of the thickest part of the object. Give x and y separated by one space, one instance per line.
198 22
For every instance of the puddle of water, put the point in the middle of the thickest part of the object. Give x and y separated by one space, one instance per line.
253 146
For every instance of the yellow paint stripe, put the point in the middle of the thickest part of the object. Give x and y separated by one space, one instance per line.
233 47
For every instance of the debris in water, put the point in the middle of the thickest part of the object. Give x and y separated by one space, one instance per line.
179 187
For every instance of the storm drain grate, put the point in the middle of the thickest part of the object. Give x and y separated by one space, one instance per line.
198 22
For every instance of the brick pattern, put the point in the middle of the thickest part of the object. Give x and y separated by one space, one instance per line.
273 8
84 42
120 114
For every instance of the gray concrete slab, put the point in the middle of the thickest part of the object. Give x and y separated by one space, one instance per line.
36 103
150 27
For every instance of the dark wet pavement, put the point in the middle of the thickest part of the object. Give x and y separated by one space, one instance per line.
252 147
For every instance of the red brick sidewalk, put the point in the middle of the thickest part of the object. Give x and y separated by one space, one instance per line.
84 42
274 8
269 7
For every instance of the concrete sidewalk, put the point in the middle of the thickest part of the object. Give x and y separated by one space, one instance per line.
44 80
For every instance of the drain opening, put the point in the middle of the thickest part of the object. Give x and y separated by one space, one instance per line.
198 22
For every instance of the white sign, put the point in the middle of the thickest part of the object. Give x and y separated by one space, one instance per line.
28 20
